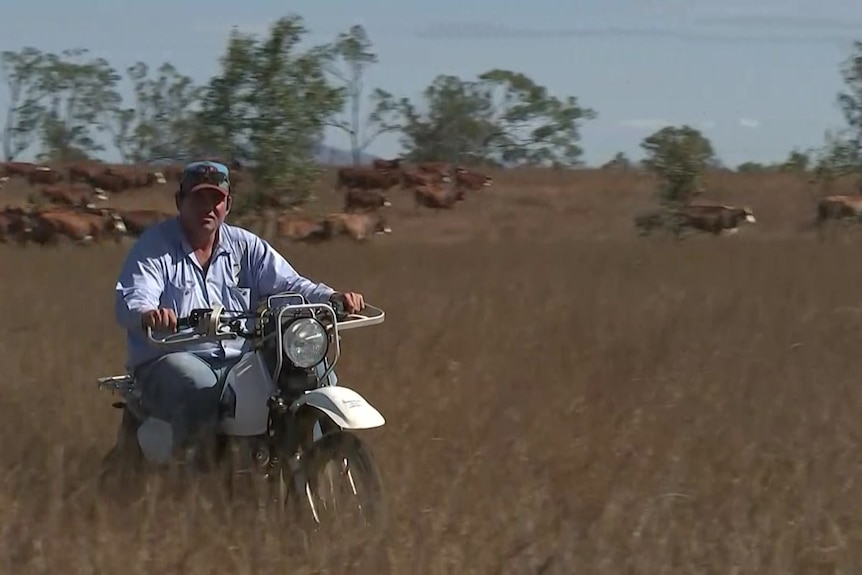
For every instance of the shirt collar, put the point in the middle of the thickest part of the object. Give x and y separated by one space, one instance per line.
222 245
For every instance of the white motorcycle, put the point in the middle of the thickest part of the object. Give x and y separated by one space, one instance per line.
281 413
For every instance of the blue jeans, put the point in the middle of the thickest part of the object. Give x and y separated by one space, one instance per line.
181 392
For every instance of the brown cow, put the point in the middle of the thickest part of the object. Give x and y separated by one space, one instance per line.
387 165
714 219
411 179
33 173
838 207
472 180
438 169
74 195
358 226
437 197
366 179
362 200
136 221
138 176
79 226
44 175
109 182
17 169
84 171
303 228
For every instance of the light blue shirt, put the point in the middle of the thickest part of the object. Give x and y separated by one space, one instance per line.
161 271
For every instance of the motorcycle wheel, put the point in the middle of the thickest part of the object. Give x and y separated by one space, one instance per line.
342 483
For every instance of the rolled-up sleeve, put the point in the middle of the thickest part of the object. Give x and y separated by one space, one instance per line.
139 287
274 274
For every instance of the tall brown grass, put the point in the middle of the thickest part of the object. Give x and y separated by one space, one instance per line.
561 396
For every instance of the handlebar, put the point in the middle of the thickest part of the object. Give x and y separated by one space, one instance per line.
217 324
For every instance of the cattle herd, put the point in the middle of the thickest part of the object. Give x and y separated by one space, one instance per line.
714 218
68 203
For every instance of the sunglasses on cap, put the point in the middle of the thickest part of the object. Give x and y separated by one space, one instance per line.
205 175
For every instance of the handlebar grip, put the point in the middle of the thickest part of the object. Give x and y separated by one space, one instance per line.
339 309
189 321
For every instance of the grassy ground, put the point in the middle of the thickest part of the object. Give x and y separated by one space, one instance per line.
561 396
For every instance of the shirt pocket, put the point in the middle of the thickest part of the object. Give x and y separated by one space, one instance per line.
179 296
238 298
236 293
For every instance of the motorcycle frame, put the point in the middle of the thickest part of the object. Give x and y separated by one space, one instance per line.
215 329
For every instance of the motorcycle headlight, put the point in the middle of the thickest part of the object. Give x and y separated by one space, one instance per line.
305 342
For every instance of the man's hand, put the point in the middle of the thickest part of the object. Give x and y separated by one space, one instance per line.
353 302
160 320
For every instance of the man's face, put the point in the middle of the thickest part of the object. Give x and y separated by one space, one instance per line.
203 210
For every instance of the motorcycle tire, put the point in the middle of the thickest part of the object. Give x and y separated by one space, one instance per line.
362 478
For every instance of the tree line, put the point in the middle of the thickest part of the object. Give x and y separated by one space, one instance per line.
271 101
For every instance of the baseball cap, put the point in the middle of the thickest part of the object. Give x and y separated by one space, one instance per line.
205 175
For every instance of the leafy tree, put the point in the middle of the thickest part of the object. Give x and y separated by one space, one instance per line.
353 55
678 156
162 122
269 105
837 158
850 102
454 128
796 162
502 117
122 128
533 127
20 72
227 109
80 96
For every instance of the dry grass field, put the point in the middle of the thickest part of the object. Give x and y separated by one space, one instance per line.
561 396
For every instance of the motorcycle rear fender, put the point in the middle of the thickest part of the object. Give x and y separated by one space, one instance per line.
345 407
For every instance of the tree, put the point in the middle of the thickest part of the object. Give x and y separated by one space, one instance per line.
20 72
453 128
533 127
269 105
850 102
837 158
353 56
678 156
227 103
501 118
162 122
797 162
80 95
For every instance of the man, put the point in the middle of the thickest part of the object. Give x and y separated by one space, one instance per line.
195 260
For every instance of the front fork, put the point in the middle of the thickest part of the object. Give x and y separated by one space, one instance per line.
291 436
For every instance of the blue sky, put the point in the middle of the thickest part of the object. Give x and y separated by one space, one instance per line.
757 77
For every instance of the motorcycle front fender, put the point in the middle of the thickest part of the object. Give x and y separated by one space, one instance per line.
345 407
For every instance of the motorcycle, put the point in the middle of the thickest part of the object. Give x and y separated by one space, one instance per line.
283 420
